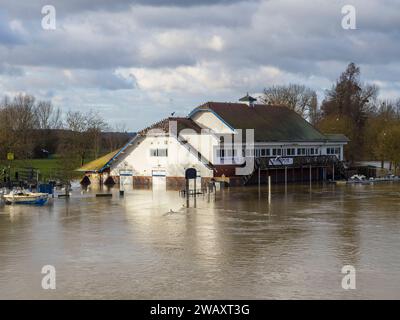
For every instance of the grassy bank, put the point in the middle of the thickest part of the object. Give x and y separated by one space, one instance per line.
48 168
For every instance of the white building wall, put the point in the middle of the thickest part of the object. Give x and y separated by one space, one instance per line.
205 143
179 158
207 119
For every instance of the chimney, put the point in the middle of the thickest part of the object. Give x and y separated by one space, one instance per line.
249 100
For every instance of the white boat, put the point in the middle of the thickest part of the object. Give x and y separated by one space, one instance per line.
25 197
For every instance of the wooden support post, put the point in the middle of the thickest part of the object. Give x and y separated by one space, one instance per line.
121 187
187 193
285 179
67 189
333 172
259 182
195 193
215 191
269 189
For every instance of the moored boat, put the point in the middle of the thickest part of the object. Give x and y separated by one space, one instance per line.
25 197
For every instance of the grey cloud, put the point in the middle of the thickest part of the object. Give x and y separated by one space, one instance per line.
29 9
7 36
104 79
293 38
49 81
8 70
234 15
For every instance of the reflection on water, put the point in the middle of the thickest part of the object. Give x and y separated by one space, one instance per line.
148 245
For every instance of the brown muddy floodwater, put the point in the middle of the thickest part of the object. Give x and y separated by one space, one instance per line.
234 247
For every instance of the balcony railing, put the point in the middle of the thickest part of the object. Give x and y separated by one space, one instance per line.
229 160
322 160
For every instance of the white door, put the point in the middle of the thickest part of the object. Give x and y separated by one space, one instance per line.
159 179
125 179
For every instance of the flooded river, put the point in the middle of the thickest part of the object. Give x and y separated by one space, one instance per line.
147 245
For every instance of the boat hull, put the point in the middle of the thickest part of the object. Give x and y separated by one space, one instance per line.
27 200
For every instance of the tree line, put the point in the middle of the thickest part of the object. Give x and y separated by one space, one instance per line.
31 128
352 108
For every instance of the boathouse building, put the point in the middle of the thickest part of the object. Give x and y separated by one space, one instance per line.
234 142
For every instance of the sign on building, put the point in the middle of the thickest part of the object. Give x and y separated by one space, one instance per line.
125 178
281 162
190 173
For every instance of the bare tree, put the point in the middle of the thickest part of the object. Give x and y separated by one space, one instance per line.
43 113
17 123
95 126
76 121
48 117
299 98
84 136
118 137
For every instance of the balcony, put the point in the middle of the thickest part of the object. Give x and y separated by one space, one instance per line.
229 160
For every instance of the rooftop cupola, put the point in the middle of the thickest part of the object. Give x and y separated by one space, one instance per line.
249 100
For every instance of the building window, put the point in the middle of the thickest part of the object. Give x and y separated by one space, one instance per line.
333 151
221 153
314 151
276 152
226 153
301 151
264 152
291 152
159 152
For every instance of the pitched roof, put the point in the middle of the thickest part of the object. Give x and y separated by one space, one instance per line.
270 122
182 123
336 137
248 98
97 164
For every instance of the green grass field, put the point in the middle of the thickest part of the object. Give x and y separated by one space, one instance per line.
48 168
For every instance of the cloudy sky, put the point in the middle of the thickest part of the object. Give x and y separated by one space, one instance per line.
137 61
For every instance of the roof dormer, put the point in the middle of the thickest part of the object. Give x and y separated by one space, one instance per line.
249 100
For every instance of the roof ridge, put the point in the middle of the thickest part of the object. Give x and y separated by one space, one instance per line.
152 126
